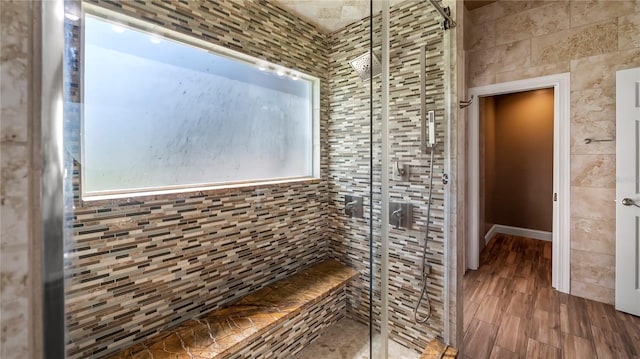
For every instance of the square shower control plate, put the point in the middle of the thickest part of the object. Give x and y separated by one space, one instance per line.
400 215
353 206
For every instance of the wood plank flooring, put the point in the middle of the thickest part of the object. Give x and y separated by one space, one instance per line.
511 311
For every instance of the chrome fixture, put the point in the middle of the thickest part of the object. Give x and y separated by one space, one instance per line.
367 66
629 202
400 172
353 206
427 119
52 199
589 140
400 214
448 22
464 104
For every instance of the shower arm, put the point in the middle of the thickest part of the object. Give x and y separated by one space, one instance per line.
446 14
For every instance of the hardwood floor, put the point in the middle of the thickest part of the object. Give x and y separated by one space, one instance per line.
511 311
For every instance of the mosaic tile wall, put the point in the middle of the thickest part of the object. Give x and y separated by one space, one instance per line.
413 24
135 267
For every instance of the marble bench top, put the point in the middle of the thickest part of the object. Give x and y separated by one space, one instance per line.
227 329
434 350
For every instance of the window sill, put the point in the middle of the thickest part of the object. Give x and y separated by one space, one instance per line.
189 192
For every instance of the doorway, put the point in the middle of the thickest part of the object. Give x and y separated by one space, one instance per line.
516 165
560 235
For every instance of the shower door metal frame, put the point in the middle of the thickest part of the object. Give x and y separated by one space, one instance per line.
52 178
384 179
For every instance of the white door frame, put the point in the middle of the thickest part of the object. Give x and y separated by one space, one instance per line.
561 171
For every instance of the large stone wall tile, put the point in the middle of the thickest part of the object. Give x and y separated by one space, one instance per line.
600 70
593 171
14 75
596 104
483 36
628 30
594 39
538 21
596 130
593 292
593 268
502 58
594 235
486 13
534 71
587 12
14 341
591 202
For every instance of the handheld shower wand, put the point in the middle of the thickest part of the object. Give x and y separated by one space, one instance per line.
425 268
427 119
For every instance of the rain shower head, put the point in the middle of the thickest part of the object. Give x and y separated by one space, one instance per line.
367 66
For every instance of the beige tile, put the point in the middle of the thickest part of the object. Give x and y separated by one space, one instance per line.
590 202
486 13
498 59
593 268
593 129
575 43
593 170
502 9
534 71
597 104
628 30
15 274
14 71
587 12
600 70
482 80
15 169
15 323
538 21
480 36
14 225
594 235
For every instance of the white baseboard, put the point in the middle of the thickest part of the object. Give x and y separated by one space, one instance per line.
517 231
492 232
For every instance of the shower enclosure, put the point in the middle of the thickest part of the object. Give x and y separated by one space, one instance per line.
198 151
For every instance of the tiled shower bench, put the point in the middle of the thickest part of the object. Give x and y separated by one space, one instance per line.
275 321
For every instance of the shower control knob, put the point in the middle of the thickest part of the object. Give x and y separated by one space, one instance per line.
445 178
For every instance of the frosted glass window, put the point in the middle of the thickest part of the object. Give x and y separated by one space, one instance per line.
163 114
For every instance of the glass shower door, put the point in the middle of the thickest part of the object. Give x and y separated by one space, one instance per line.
413 247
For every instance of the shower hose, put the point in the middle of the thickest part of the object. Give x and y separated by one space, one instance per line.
423 290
